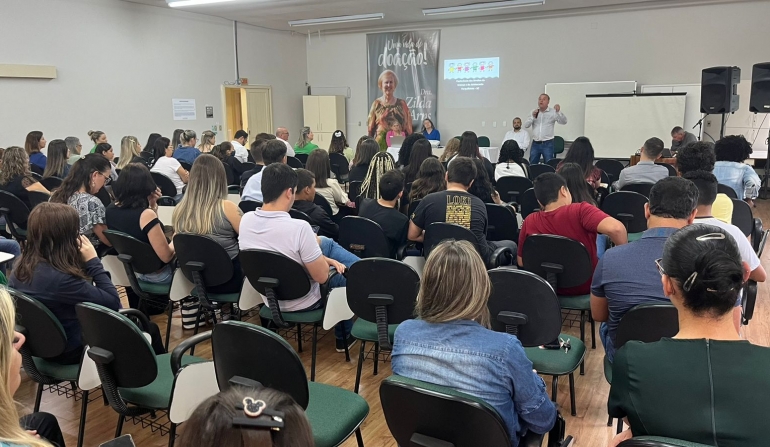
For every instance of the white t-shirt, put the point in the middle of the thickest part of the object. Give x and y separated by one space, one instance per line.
747 252
289 149
241 153
168 166
508 170
277 231
333 194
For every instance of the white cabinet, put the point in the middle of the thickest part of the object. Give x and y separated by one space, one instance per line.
324 115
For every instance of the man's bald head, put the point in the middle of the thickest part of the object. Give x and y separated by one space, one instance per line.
282 133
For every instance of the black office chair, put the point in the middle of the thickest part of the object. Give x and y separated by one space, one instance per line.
726 190
37 171
249 205
524 304
51 183
511 188
248 166
502 223
185 165
380 303
672 172
538 169
324 204
246 351
758 236
299 215
15 213
748 302
167 189
37 197
340 167
641 188
354 190
611 167
366 239
302 158
104 196
441 231
529 203
655 441
293 162
564 263
743 218
627 207
554 162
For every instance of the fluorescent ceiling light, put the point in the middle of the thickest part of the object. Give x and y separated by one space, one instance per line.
481 7
178 3
340 19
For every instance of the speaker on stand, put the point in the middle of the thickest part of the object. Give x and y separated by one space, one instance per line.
719 92
760 103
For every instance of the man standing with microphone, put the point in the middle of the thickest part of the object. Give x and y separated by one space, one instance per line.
542 122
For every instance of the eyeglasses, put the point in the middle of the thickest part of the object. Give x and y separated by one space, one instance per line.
107 178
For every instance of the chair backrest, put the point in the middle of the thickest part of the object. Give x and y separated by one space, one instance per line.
371 280
293 281
441 231
605 178
104 196
726 190
558 145
133 363
647 323
522 292
204 255
671 170
511 188
563 262
297 214
44 333
354 190
249 205
339 166
245 350
642 188
324 204
655 441
185 165
627 207
502 223
302 158
484 141
528 203
743 218
37 197
422 414
51 183
554 162
144 260
14 208
540 168
611 167
293 162
165 184
364 238
248 166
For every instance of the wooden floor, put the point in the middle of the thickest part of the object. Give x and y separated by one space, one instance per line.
589 427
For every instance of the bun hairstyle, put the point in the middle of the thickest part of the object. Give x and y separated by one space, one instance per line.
187 136
94 135
705 263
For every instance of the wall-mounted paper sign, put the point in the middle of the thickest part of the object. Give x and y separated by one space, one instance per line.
209 111
184 109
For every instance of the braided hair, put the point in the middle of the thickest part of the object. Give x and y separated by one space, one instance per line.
381 163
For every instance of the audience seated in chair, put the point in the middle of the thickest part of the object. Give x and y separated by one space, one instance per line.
405 152
480 362
626 276
34 145
35 429
226 154
450 150
187 152
731 170
366 150
430 179
646 171
578 221
57 165
384 210
212 422
79 189
482 187
700 157
381 163
130 152
15 176
135 212
705 385
105 150
205 210
60 269
271 228
582 152
421 151
327 187
255 153
274 152
456 206
469 147
304 202
166 164
511 161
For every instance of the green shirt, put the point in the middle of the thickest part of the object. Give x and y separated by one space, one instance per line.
348 153
308 148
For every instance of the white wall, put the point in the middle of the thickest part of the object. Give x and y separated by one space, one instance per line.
120 64
664 46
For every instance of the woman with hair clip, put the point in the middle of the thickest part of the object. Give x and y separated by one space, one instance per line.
105 150
581 152
305 143
208 141
339 145
97 136
511 161
212 423
58 156
705 385
78 190
16 177
34 143
166 164
327 187
205 210
129 152
187 153
431 178
36 429
381 163
489 365
366 150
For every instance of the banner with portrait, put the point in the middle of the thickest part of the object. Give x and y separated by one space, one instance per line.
403 81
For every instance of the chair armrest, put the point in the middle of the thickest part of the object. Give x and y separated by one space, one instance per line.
421 440
166 201
325 289
494 259
532 439
144 322
178 352
401 251
749 300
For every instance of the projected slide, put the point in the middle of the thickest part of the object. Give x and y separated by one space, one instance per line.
471 82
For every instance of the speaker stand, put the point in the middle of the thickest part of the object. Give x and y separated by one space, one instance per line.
765 185
722 128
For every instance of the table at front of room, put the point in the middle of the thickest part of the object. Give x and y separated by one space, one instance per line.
670 161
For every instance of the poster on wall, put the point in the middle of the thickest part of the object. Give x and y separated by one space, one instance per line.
184 109
403 81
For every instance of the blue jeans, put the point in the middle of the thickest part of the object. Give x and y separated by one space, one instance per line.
609 346
9 246
333 250
162 276
602 241
544 148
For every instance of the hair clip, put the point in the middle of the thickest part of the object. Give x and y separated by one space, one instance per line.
710 237
257 415
338 134
690 281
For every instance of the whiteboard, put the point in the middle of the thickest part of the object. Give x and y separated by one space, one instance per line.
619 125
572 99
691 106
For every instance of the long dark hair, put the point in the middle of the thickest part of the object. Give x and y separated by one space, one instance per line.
581 152
133 187
366 150
580 190
406 148
57 159
159 148
421 150
511 152
469 145
432 126
53 232
151 141
318 164
481 187
338 143
430 179
220 150
176 140
80 176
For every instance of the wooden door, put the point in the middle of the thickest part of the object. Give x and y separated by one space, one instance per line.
257 108
310 107
327 106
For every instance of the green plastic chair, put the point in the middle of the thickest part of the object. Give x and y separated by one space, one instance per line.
484 141
655 441
558 145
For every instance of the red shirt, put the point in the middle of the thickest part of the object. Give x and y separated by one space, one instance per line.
577 221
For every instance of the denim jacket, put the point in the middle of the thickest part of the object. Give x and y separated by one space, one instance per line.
739 177
474 360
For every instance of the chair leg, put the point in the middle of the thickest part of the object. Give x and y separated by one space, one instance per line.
83 412
620 425
593 331
609 421
120 426
360 365
299 337
376 356
359 438
168 324
172 435
347 351
572 393
38 397
73 385
582 367
583 326
312 356
554 388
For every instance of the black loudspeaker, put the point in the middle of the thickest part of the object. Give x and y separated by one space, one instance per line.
760 88
719 90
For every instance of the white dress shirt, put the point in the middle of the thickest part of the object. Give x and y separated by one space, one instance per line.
253 189
542 126
289 149
521 137
241 153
